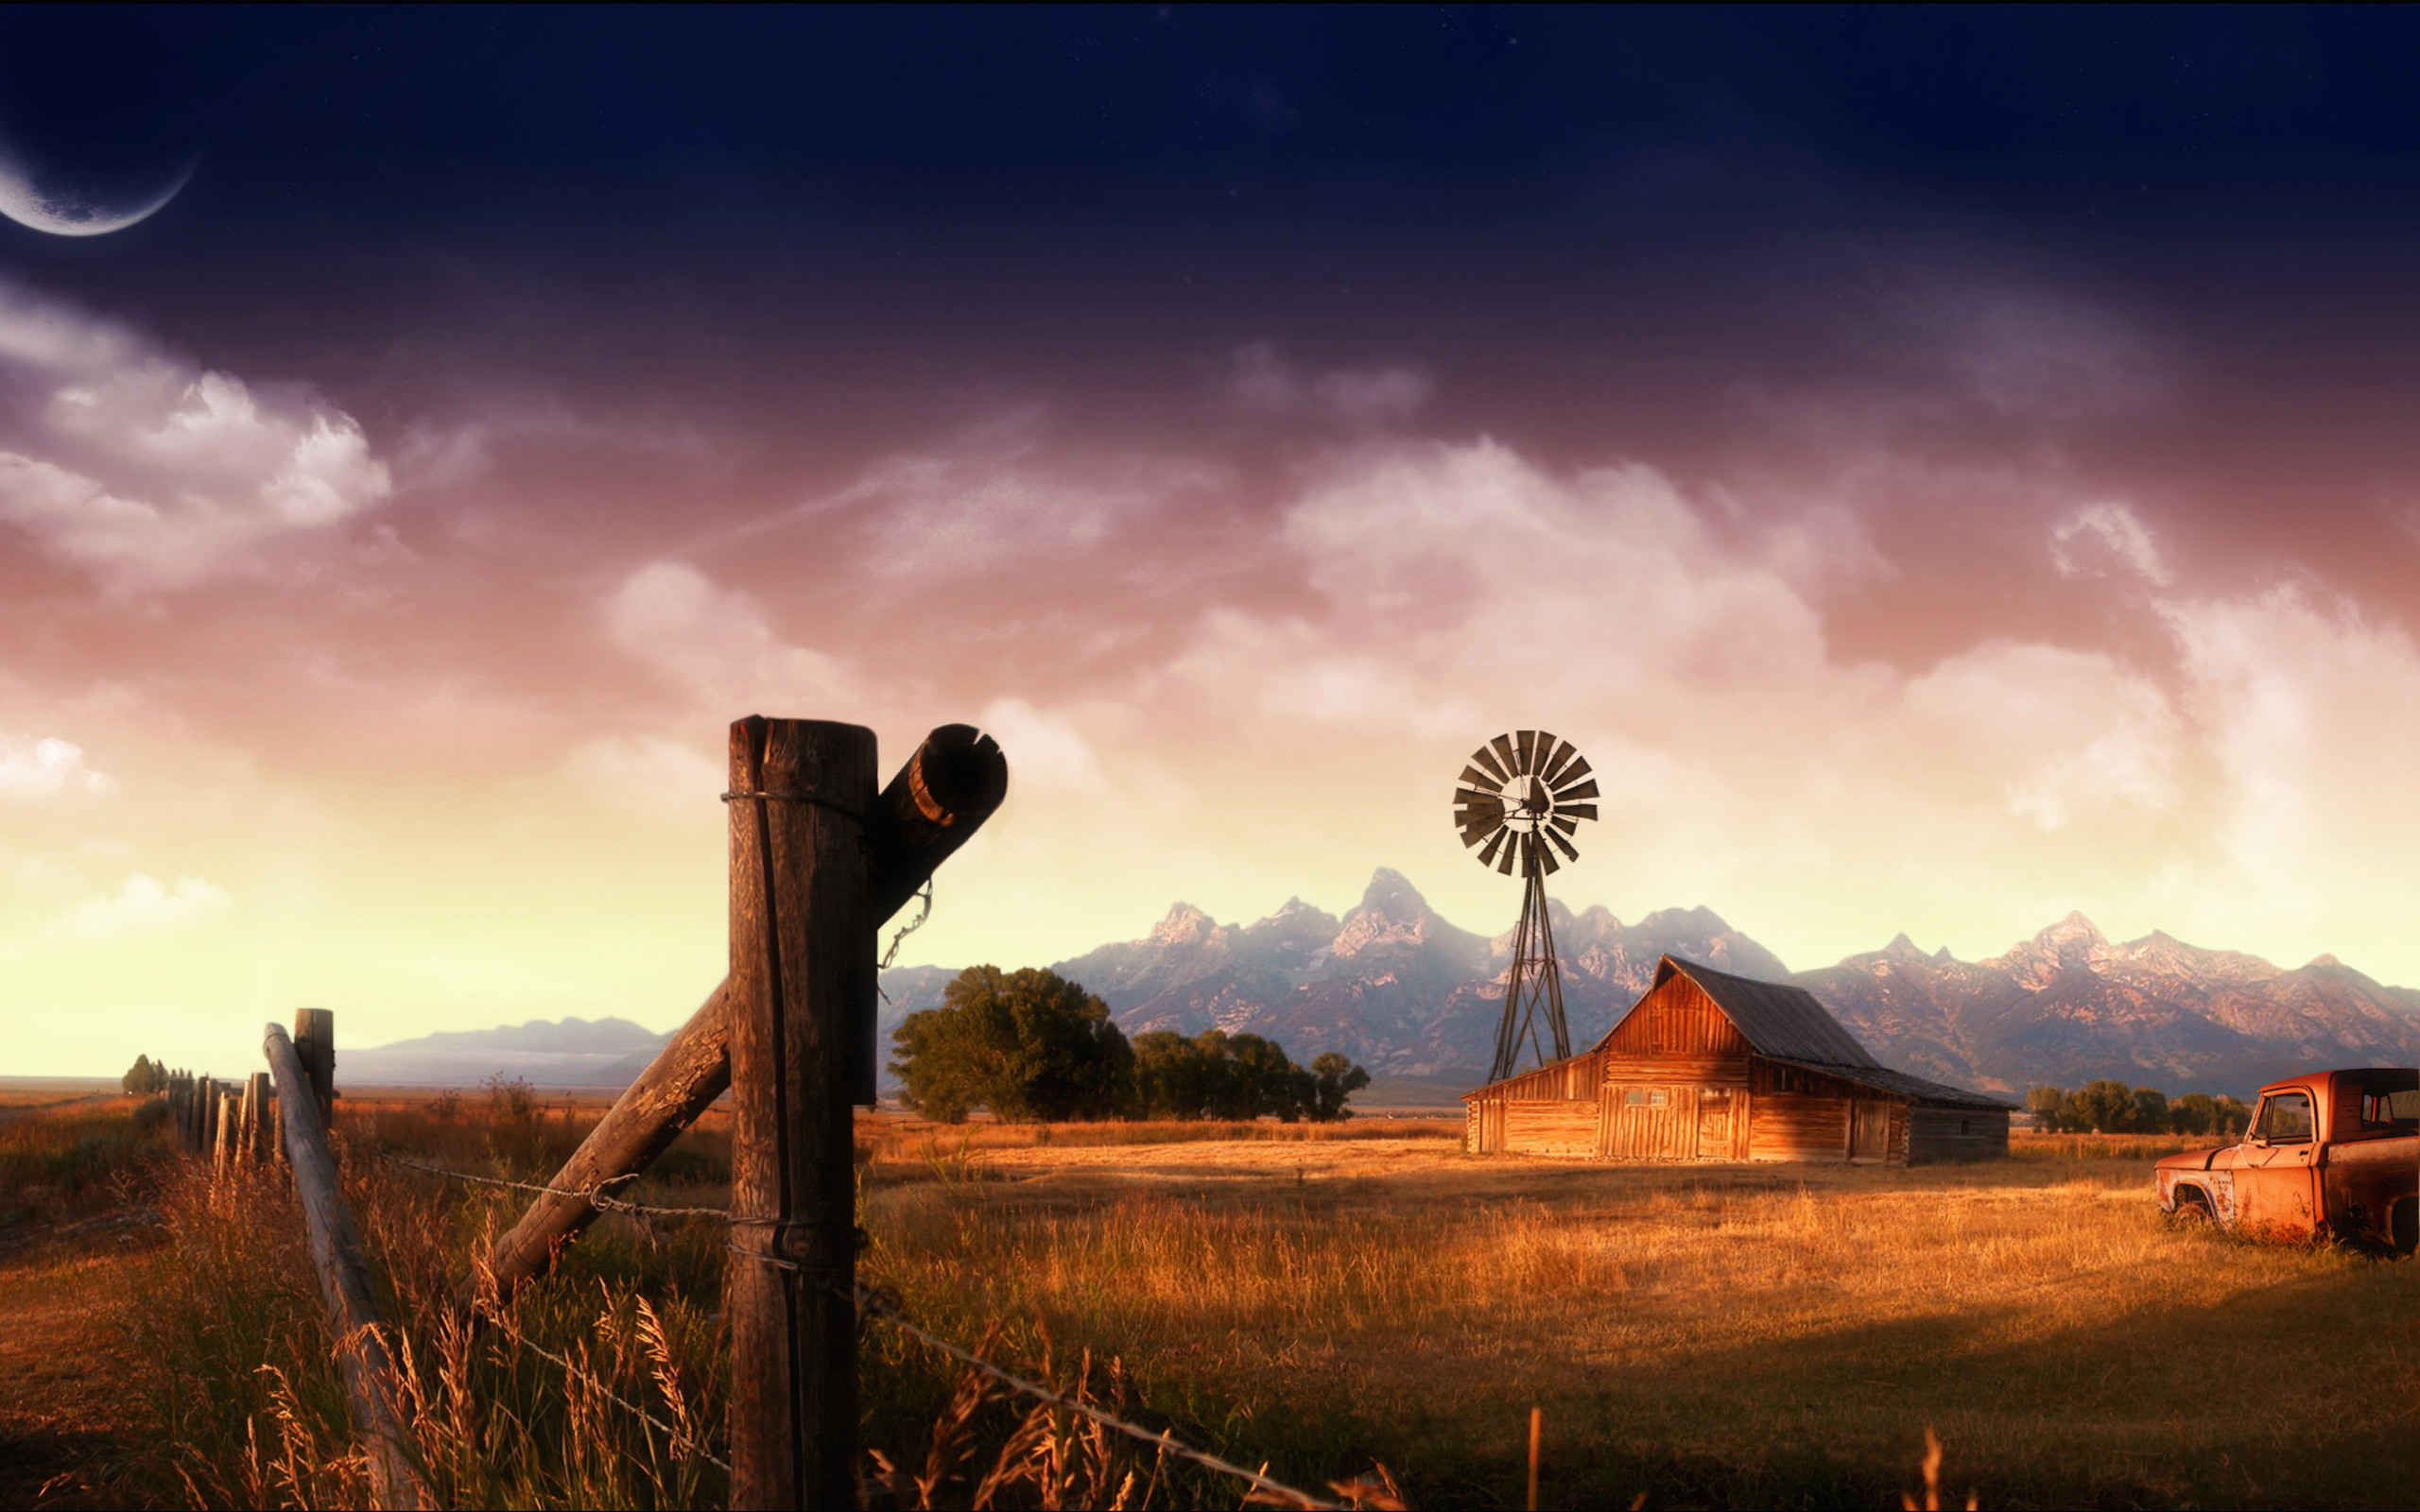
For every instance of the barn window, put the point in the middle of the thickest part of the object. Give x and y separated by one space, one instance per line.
1965 1126
1656 1099
1784 1079
1635 1097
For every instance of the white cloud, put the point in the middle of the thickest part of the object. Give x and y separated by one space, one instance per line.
716 642
152 471
1050 752
650 775
2086 733
1257 378
1000 495
2099 536
143 905
32 770
2311 713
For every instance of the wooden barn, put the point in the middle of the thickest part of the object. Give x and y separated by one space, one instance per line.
1707 1066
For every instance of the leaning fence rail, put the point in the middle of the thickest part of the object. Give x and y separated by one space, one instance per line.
368 1374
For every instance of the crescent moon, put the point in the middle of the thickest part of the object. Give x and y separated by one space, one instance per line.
72 215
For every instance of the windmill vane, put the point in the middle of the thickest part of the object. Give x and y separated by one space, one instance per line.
1520 801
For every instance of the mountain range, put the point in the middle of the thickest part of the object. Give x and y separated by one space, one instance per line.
1409 995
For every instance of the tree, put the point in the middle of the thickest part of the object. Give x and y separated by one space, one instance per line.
2231 1117
2193 1113
143 1078
2048 1106
1029 1045
1218 1075
2105 1108
1335 1078
2151 1111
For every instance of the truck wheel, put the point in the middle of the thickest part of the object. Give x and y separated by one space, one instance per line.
2193 1212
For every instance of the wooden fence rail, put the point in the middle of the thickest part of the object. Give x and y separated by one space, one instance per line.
336 1253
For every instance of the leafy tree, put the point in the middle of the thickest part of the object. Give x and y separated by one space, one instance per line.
144 1077
2151 1111
2231 1117
2193 1113
1218 1075
2048 1106
1334 1079
1029 1045
2104 1108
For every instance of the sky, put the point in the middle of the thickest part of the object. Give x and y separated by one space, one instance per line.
1944 471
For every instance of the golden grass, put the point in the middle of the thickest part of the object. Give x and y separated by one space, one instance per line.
1705 1335
1717 1335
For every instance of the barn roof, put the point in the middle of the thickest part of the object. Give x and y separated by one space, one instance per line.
1883 1078
1785 1023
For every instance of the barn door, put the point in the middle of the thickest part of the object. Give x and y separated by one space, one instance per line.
1714 1124
1869 1130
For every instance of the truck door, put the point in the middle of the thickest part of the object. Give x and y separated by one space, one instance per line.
2274 1176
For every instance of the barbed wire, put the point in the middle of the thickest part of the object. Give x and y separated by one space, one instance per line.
873 1303
676 1436
593 1193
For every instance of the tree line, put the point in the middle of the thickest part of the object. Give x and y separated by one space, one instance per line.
2110 1108
145 1077
1034 1047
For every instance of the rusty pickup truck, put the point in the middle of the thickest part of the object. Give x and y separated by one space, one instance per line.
2334 1154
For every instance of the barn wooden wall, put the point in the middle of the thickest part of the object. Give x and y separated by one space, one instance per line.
1721 1102
1933 1135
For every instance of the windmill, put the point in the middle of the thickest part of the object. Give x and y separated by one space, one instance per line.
1524 796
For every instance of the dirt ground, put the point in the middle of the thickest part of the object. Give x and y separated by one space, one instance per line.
62 1416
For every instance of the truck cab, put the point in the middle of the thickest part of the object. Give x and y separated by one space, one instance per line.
2329 1154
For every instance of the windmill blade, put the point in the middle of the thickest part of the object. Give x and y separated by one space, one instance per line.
1474 833
1577 810
1564 754
1487 758
1503 744
1578 769
1526 741
1576 792
1504 862
1547 865
1570 850
1494 843
1478 779
1469 797
1566 826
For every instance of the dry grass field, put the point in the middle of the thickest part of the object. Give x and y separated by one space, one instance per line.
1320 1300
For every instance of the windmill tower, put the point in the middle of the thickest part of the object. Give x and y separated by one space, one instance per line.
1522 798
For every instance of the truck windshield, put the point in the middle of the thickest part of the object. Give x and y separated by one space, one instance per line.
2284 1119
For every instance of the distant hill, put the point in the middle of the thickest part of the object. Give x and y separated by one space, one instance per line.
565 1053
1409 995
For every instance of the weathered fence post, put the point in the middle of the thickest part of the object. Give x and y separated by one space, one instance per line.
955 781
345 1284
315 1043
205 1102
222 1131
802 968
259 1101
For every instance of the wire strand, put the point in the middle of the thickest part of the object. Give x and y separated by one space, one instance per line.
676 1436
593 1193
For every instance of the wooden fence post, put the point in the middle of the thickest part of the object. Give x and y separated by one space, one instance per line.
205 1099
259 1102
943 793
315 1043
222 1131
801 967
344 1284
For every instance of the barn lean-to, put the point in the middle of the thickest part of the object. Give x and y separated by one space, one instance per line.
1708 1066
